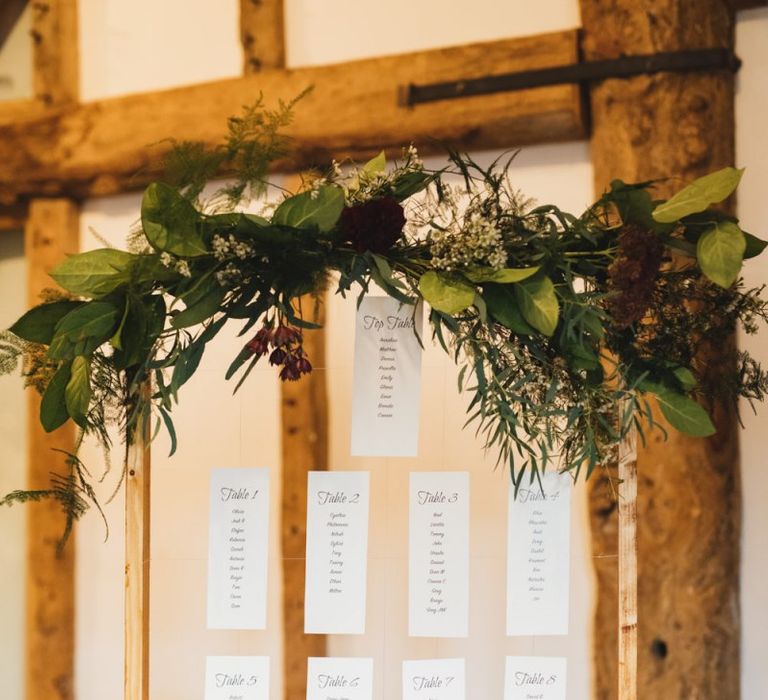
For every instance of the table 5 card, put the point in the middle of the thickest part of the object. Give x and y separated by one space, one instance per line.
438 569
337 552
238 548
535 678
237 678
434 679
339 679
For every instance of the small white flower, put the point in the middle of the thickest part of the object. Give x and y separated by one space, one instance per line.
182 267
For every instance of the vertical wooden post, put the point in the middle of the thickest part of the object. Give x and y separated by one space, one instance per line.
628 567
56 51
52 230
262 30
137 562
689 503
305 448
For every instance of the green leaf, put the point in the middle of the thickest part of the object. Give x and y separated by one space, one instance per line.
53 407
697 196
376 165
538 303
81 331
39 323
77 395
502 305
755 246
720 252
170 222
411 183
95 273
202 308
682 412
320 208
686 378
503 276
446 294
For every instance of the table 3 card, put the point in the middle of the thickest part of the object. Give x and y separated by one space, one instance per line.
337 552
330 678
238 548
434 679
438 570
237 678
535 678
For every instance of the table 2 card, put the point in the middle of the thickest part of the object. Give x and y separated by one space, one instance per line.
387 379
238 548
439 554
339 679
434 679
538 557
337 552
535 678
237 678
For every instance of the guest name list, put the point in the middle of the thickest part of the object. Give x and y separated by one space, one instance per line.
237 678
535 678
334 678
434 679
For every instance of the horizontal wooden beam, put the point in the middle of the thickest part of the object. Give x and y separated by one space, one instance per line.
115 145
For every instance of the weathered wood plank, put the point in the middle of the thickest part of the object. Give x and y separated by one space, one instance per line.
688 489
113 145
56 68
13 218
52 231
305 448
262 32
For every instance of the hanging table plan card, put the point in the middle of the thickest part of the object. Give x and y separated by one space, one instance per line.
438 570
337 552
237 678
387 379
539 556
535 678
335 678
434 679
238 548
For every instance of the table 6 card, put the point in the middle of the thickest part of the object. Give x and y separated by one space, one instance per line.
237 678
538 557
535 678
434 679
237 549
438 569
330 678
387 379
337 552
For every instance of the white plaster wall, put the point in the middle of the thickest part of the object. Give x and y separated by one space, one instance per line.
16 60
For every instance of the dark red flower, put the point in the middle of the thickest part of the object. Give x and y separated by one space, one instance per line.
376 225
278 357
285 335
259 344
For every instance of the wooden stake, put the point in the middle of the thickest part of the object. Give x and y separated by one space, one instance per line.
628 567
262 31
137 558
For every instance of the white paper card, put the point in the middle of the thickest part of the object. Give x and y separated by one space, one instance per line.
339 679
387 379
237 549
438 679
538 557
237 678
535 678
439 554
337 552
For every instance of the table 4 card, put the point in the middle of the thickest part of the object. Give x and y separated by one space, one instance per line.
434 679
335 678
237 678
535 678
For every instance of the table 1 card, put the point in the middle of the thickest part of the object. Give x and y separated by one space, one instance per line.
438 679
339 679
535 678
237 678
387 379
538 557
237 549
439 554
337 552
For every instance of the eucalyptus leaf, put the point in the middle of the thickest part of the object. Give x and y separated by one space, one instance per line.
502 305
203 308
504 276
697 196
53 407
320 208
39 323
95 273
755 245
681 411
170 222
83 330
538 303
78 392
446 294
720 252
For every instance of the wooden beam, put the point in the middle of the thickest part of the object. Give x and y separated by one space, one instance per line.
137 561
304 448
262 32
689 506
13 218
115 145
53 230
56 68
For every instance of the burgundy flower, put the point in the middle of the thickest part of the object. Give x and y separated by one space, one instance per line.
285 335
278 357
259 344
375 225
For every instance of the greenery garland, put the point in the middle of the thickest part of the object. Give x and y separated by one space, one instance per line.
557 319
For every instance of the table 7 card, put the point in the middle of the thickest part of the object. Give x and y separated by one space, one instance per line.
535 678
335 678
434 679
237 678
